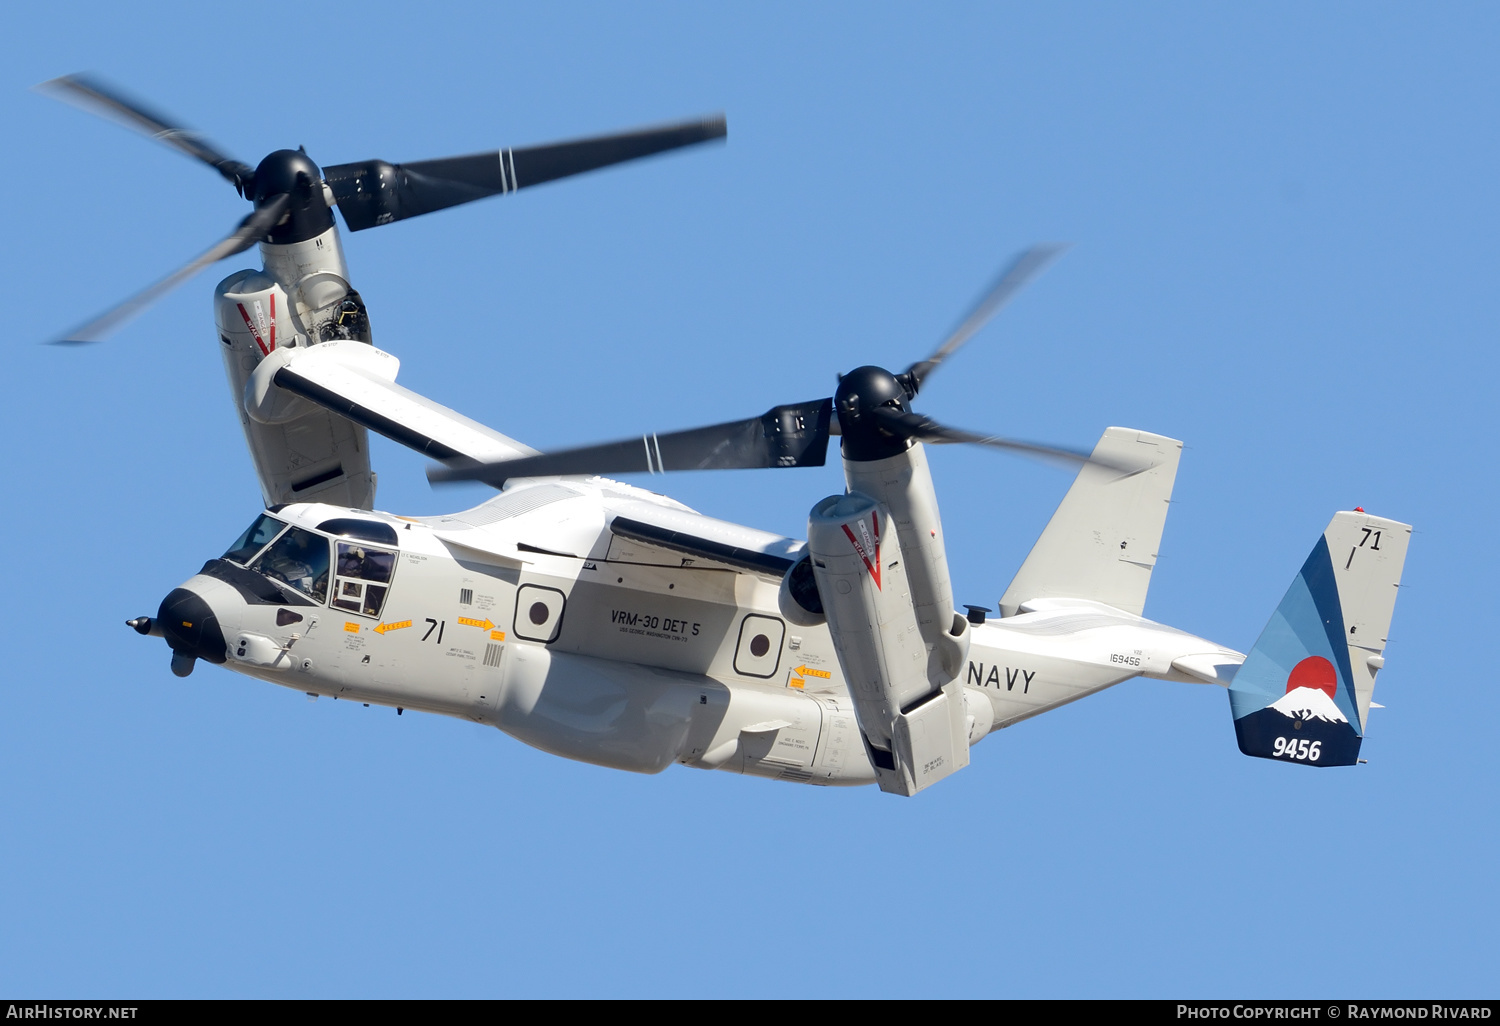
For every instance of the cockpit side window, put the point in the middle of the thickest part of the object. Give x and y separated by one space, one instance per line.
254 539
363 577
300 559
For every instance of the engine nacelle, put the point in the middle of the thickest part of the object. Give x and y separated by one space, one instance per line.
302 453
915 728
903 485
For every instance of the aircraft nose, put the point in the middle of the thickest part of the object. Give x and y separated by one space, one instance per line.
190 627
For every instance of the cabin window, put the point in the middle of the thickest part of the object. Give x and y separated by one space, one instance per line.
362 576
300 559
255 538
759 650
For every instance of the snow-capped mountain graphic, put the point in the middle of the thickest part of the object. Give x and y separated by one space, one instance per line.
1308 704
1278 730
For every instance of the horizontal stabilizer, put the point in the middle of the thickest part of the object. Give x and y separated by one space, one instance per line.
1209 667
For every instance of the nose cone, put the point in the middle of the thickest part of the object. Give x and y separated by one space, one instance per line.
190 628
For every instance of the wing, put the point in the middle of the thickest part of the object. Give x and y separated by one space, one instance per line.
358 382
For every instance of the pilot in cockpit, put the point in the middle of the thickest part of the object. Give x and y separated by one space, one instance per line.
300 558
351 561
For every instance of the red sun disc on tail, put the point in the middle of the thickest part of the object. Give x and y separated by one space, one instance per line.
1314 672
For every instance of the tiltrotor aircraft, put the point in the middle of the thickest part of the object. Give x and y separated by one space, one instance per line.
603 622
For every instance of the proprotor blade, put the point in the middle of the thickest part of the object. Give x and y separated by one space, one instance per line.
1017 274
250 231
373 192
94 96
784 436
916 427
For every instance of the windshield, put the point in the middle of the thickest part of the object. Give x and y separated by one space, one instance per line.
299 558
254 539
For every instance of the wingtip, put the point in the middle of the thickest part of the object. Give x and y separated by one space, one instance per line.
68 87
60 82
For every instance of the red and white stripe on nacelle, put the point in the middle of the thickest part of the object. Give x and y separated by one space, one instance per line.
263 330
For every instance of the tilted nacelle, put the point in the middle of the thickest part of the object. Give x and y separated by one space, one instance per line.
302 453
882 577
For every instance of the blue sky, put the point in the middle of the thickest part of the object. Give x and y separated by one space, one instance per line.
1284 224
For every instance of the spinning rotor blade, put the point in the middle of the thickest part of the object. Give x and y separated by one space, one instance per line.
1026 266
249 232
784 436
924 429
874 420
373 192
91 95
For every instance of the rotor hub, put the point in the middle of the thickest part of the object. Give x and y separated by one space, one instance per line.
285 171
293 173
860 393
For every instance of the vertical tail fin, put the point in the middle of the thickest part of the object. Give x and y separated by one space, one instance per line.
1101 543
1303 694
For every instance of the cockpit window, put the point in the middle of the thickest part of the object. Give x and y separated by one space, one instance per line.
298 558
363 577
254 539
